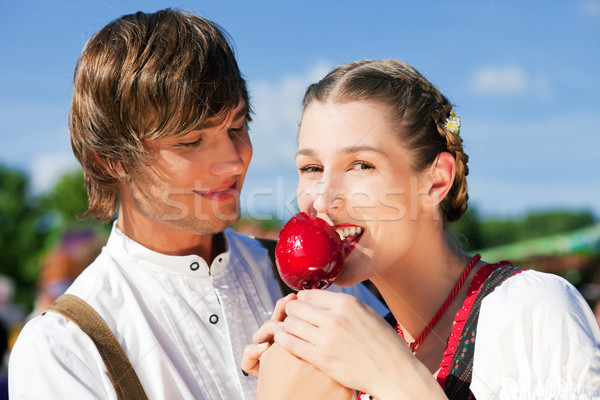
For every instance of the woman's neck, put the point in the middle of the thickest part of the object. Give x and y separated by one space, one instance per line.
419 284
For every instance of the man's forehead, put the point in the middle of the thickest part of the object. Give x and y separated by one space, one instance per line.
241 110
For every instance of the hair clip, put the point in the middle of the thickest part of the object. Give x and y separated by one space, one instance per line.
452 124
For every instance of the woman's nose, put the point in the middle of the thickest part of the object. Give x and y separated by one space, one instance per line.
327 197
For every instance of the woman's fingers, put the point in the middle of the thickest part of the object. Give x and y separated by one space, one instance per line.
251 358
265 332
301 329
295 345
279 312
321 308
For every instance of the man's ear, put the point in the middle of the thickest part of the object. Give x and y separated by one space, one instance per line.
442 175
113 168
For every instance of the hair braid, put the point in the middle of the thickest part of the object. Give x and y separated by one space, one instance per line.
456 202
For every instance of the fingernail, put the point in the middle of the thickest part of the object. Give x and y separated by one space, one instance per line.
263 345
280 324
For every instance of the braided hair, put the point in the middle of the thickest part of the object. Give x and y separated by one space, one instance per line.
415 107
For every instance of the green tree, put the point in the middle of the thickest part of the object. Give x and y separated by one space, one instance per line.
62 204
547 223
468 230
20 238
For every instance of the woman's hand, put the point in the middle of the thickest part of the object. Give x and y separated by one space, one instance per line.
264 337
354 345
339 335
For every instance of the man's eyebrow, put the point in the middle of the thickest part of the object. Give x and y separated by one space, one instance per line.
216 120
346 150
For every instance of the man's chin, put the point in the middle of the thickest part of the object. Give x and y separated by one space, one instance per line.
217 225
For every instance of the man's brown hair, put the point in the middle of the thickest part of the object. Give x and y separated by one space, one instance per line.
144 77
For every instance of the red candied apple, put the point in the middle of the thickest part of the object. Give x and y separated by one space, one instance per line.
310 253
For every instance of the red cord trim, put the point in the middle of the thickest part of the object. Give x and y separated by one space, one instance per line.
461 318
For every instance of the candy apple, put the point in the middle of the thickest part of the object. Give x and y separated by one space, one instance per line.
310 252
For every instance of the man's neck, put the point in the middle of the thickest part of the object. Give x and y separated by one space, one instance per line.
167 240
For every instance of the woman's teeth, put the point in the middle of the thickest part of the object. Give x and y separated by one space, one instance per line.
349 231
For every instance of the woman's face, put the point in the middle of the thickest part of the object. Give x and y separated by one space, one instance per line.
353 170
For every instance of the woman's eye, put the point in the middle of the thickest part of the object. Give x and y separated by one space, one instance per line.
359 165
310 169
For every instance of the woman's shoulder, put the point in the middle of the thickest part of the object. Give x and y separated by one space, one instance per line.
542 336
531 288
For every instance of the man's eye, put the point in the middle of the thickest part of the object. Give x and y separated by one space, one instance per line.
191 144
238 130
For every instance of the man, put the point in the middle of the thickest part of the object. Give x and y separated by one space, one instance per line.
159 124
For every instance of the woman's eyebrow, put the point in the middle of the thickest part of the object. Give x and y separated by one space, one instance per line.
359 148
305 152
345 151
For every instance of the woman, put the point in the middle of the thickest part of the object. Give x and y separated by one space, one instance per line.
380 148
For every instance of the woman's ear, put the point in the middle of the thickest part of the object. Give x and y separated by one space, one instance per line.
442 175
113 168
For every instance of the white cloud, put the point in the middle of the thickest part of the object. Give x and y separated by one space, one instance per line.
277 108
272 176
511 80
589 8
47 168
507 80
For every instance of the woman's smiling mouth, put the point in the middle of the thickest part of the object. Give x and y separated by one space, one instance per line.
350 235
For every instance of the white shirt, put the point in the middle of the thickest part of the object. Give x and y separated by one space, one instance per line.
183 325
536 339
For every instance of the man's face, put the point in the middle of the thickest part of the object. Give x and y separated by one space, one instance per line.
194 181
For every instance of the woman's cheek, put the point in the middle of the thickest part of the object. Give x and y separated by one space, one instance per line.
305 197
361 205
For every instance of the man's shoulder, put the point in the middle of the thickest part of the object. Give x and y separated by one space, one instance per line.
47 336
246 247
238 237
91 279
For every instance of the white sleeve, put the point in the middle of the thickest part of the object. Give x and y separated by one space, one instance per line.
53 359
536 339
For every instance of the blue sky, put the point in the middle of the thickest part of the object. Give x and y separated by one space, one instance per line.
523 75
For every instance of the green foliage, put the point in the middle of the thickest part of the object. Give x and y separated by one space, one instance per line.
483 233
469 230
30 226
20 241
67 198
541 224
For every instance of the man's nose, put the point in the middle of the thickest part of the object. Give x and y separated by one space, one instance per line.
228 160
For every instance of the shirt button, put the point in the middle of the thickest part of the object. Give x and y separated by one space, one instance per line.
194 266
213 319
220 259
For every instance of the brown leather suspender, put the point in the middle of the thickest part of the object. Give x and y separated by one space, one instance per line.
120 370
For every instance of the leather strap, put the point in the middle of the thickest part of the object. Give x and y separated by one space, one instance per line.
121 372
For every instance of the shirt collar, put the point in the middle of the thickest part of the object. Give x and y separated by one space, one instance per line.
129 252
